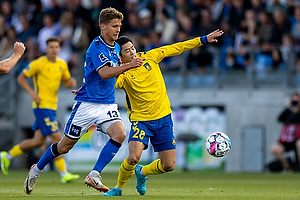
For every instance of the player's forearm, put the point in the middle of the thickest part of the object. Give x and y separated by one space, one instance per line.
111 72
7 64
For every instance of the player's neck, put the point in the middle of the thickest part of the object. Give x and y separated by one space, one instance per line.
51 59
107 40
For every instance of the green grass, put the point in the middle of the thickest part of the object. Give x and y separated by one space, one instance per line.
204 184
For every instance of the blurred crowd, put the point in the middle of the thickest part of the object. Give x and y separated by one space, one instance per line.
260 34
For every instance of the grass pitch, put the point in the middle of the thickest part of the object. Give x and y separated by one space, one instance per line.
204 184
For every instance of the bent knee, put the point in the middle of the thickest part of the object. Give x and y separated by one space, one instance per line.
133 160
168 167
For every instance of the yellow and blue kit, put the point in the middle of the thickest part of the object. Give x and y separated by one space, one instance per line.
148 105
146 96
47 77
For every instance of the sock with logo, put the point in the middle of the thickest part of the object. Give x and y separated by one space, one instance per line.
107 154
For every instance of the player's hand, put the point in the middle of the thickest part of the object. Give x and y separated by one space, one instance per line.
35 98
19 48
74 91
213 35
137 62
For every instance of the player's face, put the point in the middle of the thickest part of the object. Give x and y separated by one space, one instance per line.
52 50
128 52
110 32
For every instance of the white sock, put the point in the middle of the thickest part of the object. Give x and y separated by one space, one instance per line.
36 170
94 173
63 173
141 171
8 156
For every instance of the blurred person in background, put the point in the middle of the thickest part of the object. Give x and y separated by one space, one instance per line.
290 133
7 64
47 72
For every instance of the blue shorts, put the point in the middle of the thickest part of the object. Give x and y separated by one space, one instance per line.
45 120
160 132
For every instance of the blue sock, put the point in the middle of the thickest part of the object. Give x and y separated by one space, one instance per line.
49 155
107 154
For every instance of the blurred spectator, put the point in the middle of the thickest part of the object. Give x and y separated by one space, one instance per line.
258 6
287 47
20 7
50 29
11 34
166 26
162 5
184 21
295 22
231 62
10 17
277 62
236 14
35 14
225 8
280 27
265 27
146 21
27 29
273 5
66 29
289 136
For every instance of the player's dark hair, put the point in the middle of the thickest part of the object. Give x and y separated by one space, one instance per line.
108 14
53 39
123 40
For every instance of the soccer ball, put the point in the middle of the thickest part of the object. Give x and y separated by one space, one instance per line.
218 144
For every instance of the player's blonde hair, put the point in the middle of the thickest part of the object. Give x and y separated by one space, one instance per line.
108 14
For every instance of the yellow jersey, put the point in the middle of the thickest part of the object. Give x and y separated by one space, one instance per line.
47 77
146 95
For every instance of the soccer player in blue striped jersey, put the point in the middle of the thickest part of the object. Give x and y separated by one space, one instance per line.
94 103
149 110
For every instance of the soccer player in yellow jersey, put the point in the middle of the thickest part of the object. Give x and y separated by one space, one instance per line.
149 110
7 64
47 73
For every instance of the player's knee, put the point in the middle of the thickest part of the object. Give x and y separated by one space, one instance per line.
37 143
119 137
168 167
133 159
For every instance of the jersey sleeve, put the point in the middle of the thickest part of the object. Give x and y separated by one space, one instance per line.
99 57
31 69
173 50
120 81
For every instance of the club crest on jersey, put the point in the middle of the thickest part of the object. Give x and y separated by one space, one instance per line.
103 57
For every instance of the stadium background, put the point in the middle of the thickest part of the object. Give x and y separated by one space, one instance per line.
236 79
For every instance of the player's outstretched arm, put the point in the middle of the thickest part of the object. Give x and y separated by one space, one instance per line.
107 72
7 64
213 35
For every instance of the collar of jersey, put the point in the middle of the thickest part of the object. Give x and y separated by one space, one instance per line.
103 41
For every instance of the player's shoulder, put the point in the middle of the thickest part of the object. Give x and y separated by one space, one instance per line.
39 60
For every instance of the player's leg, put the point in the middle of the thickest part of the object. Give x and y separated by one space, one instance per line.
163 141
108 121
127 167
116 130
19 149
66 177
53 151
